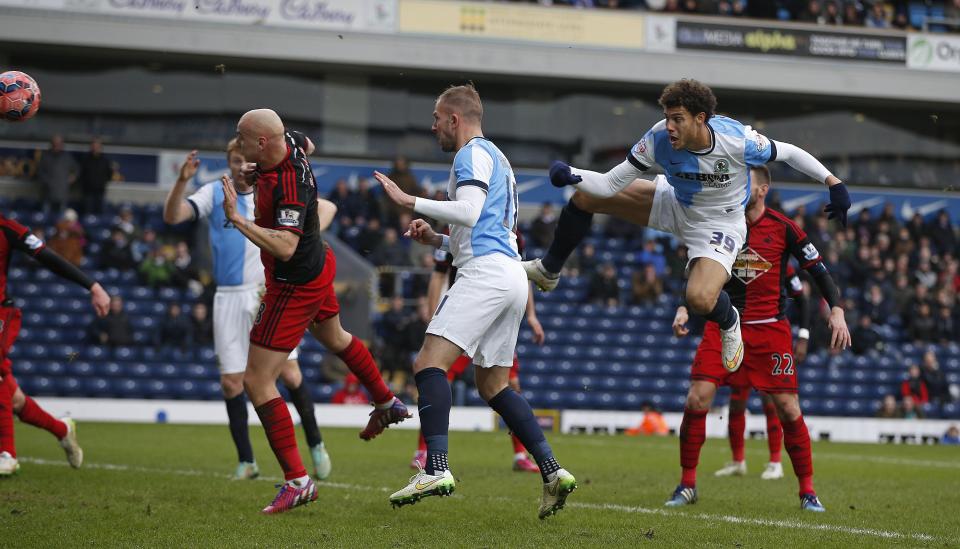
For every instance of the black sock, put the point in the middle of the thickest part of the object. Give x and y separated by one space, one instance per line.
572 227
723 312
434 407
303 402
517 414
237 414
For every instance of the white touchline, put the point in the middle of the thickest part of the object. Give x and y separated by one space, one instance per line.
594 506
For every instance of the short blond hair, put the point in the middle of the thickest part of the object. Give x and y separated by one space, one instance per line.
463 99
233 147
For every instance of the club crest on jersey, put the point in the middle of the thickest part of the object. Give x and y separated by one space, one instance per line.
762 143
641 146
288 218
750 265
721 166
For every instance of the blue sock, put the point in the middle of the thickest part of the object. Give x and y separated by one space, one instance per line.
723 312
517 414
434 406
237 414
572 227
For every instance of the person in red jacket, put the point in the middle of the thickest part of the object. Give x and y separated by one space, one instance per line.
350 393
914 388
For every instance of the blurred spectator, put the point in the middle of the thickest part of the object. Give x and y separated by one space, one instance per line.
952 10
647 287
622 229
185 273
351 393
877 16
126 223
812 13
116 252
584 262
542 227
952 436
202 325
395 357
913 388
370 237
652 255
603 286
155 271
341 197
876 305
653 423
68 238
941 234
852 14
56 171
114 329
888 408
923 327
95 172
911 410
934 379
401 175
390 250
865 337
174 329
946 327
367 203
332 369
831 13
142 247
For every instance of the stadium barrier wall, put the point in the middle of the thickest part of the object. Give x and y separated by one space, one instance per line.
836 429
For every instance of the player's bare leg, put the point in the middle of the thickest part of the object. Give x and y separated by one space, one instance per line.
632 204
774 468
796 438
8 449
493 385
299 390
706 298
430 371
521 462
260 382
693 433
737 425
64 429
232 387
387 408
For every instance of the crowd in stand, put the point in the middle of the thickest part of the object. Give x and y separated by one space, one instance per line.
861 13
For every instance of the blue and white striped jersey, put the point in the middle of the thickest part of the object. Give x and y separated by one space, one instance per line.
480 163
236 260
715 178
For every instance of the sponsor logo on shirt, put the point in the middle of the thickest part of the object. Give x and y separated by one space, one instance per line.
810 252
705 177
288 218
33 242
750 265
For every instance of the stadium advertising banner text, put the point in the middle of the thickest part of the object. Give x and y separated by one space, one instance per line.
933 52
694 35
356 15
556 25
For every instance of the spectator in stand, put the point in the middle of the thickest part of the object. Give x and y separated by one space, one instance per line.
401 174
390 251
603 286
342 199
142 247
201 325
946 327
155 271
367 202
185 273
647 287
652 255
941 234
877 16
174 329
852 14
370 237
395 356
116 252
95 172
865 337
125 222
351 393
56 171
831 13
349 232
812 13
114 329
934 379
951 437
952 10
923 328
585 262
68 238
888 408
876 305
542 227
911 410
913 388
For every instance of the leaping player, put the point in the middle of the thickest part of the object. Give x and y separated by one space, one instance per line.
700 199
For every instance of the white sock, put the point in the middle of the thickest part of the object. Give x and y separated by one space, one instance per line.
385 405
519 455
298 482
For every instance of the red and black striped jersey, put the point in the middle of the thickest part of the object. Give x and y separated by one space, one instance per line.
443 261
287 201
761 280
14 236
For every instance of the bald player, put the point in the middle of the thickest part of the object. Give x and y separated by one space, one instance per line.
299 269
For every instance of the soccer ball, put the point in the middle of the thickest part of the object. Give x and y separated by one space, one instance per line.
19 96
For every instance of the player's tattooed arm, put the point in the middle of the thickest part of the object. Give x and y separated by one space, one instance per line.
279 244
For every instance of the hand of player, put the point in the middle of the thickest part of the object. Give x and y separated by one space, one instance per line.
249 172
561 176
422 232
680 322
840 335
394 192
538 335
800 347
229 198
839 203
189 167
100 300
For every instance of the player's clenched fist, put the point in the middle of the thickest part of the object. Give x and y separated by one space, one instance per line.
422 232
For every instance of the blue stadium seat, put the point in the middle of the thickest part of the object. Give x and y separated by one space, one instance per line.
69 386
128 388
127 353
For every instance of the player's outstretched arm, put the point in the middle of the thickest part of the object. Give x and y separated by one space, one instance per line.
176 209
538 334
280 244
64 269
840 334
326 211
464 211
804 162
595 183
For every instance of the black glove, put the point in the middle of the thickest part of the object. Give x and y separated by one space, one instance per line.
838 206
561 176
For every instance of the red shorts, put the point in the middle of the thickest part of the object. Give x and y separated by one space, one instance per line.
768 363
460 366
288 309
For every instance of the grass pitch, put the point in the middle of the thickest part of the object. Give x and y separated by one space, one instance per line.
167 485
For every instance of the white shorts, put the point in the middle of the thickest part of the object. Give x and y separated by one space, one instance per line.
706 232
481 312
234 308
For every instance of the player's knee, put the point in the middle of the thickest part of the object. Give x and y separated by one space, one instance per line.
737 406
788 410
19 399
584 201
231 386
697 401
700 301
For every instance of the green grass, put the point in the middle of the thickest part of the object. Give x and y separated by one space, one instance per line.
171 489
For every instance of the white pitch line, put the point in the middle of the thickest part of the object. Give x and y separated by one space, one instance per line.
890 460
796 525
